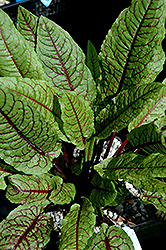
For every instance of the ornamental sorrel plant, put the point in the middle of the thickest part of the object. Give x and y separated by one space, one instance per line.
58 109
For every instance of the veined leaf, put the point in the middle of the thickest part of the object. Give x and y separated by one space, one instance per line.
78 226
27 25
154 198
27 141
93 61
127 105
148 138
24 188
17 58
26 227
114 238
154 109
63 61
77 117
104 193
64 193
131 53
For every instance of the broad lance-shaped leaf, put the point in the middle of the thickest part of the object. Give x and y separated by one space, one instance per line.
136 169
23 188
131 53
124 107
147 138
113 238
63 61
64 193
27 141
104 193
154 109
77 117
26 227
38 94
27 25
17 57
78 226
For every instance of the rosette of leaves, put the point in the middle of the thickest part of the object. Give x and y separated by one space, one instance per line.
59 108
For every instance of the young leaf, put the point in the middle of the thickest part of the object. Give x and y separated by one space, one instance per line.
27 25
131 53
78 226
93 61
64 193
26 227
127 105
154 198
63 61
22 188
77 117
104 193
27 141
17 58
113 238
147 138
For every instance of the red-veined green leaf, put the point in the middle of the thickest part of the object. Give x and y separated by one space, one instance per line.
77 118
126 105
131 53
63 61
64 193
23 188
78 226
26 227
104 193
154 109
5 170
147 138
27 140
17 57
154 198
27 25
111 238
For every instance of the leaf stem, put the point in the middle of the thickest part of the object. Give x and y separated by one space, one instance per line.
56 165
121 148
110 144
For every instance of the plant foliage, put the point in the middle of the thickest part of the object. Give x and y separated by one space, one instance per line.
57 110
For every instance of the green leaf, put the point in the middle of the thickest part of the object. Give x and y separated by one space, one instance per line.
154 198
124 107
64 193
93 61
131 53
22 188
114 238
121 193
28 142
77 118
63 61
27 25
78 226
154 109
17 58
26 227
147 138
104 193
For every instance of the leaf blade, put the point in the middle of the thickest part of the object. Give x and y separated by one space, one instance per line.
63 61
17 58
133 40
26 227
